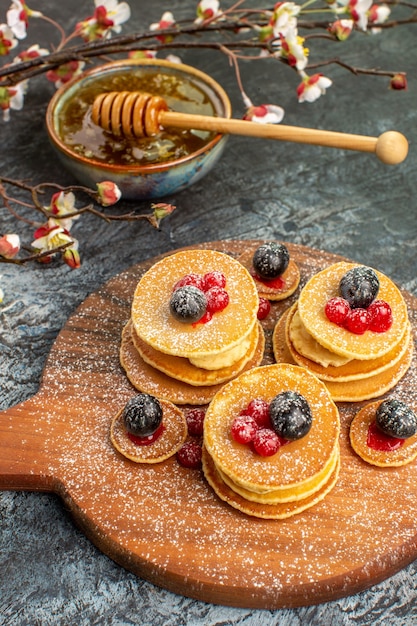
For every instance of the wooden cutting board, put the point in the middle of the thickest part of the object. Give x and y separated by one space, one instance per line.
164 523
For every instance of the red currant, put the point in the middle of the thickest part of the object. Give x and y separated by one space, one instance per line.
244 428
217 299
259 410
263 308
381 316
214 279
196 280
336 310
195 421
357 321
189 455
266 442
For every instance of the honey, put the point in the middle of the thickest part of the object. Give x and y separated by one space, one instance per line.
80 134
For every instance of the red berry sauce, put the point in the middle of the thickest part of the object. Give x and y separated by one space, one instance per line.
377 440
146 441
277 283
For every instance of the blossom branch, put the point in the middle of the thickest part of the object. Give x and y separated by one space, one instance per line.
13 74
53 237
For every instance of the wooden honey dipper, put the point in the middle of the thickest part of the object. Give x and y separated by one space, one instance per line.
134 114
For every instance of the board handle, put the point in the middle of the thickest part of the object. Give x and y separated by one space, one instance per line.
25 453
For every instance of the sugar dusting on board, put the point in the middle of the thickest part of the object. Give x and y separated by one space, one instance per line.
169 520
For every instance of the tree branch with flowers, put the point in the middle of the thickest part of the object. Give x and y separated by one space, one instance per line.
285 32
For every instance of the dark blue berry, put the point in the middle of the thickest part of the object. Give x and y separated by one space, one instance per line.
142 415
290 415
188 304
359 286
395 418
270 260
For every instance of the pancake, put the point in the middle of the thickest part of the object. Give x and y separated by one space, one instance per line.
371 345
148 379
305 345
352 390
156 326
168 443
292 494
290 278
299 465
353 369
256 509
381 458
181 369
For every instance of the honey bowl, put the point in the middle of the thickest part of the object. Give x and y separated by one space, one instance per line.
143 168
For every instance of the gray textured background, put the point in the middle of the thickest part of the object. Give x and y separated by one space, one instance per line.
344 202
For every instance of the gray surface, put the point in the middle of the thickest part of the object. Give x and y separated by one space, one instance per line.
344 202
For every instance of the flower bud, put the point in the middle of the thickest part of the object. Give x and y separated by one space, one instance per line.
161 210
399 81
341 29
9 246
108 193
72 258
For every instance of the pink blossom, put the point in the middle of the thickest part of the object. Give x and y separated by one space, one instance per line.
108 193
207 10
64 73
399 81
9 246
265 114
31 53
7 40
284 18
293 51
108 17
312 87
142 54
358 10
341 29
63 204
51 236
379 13
12 98
167 20
173 58
18 18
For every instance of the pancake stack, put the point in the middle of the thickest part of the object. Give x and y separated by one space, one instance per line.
296 477
186 363
354 367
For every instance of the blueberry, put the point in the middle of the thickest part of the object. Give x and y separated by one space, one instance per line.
290 415
395 418
359 286
188 304
270 260
142 415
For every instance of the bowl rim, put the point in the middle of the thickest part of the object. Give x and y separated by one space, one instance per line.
150 168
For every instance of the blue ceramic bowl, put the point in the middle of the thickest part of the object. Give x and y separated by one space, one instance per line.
140 181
